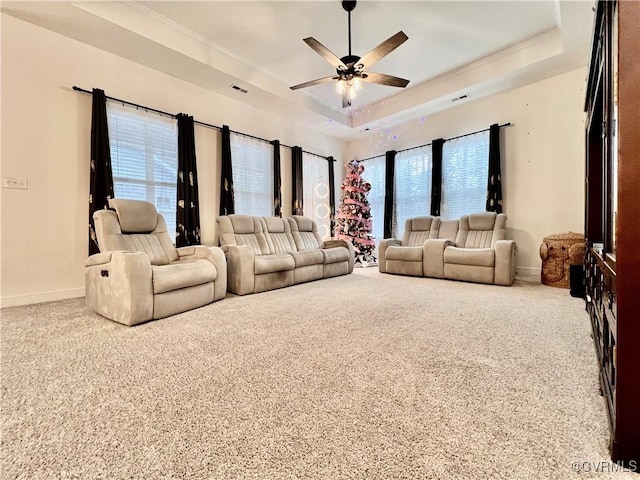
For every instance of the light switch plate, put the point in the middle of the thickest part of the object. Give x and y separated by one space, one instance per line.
15 182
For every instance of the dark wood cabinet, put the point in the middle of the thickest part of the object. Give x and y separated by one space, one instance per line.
612 217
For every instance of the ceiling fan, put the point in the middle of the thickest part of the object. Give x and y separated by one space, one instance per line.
350 68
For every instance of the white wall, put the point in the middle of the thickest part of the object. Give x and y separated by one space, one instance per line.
46 131
542 155
46 138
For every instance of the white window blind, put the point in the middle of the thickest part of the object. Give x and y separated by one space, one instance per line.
144 158
412 186
465 167
315 186
374 173
252 164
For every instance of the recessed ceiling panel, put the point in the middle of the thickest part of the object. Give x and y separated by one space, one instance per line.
443 36
453 47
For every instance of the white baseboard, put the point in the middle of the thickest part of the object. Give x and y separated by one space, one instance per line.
18 300
528 274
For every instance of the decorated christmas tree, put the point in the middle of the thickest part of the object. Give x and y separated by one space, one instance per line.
353 220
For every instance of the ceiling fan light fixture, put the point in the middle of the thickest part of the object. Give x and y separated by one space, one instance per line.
357 83
352 93
349 85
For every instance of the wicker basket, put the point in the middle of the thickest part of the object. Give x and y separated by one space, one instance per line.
558 252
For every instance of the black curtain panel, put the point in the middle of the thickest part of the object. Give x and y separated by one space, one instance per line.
494 183
332 193
101 178
436 176
296 172
227 202
188 211
277 180
389 182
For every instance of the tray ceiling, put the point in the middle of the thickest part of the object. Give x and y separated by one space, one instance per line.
455 48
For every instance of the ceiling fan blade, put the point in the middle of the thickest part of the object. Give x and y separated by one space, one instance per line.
325 53
383 49
317 81
382 79
346 103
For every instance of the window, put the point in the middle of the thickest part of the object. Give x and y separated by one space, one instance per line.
144 158
315 186
465 167
412 186
252 163
374 173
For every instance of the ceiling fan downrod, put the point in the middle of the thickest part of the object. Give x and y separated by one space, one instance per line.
349 5
349 60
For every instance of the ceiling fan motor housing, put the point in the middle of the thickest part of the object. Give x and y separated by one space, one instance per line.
350 60
348 5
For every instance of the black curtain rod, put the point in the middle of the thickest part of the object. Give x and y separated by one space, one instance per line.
446 140
197 122
508 124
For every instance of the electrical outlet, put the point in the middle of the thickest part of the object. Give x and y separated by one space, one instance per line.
15 182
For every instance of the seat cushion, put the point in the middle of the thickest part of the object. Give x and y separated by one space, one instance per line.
335 255
275 262
182 274
408 254
481 257
308 257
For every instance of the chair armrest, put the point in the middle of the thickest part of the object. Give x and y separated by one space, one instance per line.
98 259
119 286
333 243
382 252
505 266
216 256
187 251
433 256
240 269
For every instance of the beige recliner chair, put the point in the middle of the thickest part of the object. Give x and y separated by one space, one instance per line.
406 257
139 275
481 253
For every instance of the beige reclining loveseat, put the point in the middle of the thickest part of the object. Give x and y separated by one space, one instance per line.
472 249
265 253
139 275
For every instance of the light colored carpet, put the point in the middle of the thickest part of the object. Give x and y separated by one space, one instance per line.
367 376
